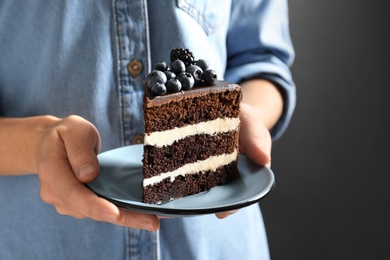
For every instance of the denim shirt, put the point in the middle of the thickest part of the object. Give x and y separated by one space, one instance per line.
90 58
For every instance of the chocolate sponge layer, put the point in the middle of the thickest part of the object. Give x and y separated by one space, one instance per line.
191 107
188 150
190 184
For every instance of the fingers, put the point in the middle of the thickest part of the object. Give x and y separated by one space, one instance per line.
61 188
81 151
225 214
67 159
138 220
255 140
102 210
257 146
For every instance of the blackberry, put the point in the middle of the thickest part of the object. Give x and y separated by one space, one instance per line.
184 55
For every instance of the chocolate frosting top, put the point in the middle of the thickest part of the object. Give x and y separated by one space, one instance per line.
220 86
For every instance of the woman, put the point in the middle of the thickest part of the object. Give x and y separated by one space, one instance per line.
89 58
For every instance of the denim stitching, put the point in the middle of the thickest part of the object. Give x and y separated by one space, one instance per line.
197 15
118 65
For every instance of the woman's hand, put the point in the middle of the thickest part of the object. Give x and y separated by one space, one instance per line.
64 154
261 108
255 139
68 159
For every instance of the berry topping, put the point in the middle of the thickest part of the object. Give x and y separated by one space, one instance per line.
173 85
158 89
161 65
210 77
169 74
196 72
186 79
203 64
154 77
184 55
184 73
178 66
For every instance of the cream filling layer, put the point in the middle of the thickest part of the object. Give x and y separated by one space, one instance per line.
210 164
167 137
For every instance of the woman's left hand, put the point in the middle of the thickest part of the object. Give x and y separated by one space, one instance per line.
261 108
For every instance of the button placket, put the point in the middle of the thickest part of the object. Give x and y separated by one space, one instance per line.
134 58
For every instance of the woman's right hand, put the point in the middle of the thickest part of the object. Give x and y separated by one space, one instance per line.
64 154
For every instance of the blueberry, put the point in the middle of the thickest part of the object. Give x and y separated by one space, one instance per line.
196 72
210 77
155 76
170 74
178 66
173 85
186 79
161 65
203 64
158 89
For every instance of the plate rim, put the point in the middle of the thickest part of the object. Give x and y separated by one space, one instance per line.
142 207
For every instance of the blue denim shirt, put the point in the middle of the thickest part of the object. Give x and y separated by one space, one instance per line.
90 58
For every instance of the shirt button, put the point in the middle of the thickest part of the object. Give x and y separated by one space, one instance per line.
134 67
137 139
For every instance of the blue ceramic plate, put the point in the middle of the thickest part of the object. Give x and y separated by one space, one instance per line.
120 181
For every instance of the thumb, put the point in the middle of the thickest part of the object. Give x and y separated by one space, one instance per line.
255 142
258 148
82 144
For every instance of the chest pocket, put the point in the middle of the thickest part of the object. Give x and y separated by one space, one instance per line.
209 14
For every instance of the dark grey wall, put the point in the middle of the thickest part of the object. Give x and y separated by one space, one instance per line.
332 191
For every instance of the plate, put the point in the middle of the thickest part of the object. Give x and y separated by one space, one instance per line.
120 181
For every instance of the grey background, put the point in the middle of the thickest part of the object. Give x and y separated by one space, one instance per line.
332 190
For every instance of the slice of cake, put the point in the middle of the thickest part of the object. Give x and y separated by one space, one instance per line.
191 139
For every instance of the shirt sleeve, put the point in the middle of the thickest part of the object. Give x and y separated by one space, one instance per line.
259 46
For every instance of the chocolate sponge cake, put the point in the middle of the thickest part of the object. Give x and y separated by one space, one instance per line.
191 141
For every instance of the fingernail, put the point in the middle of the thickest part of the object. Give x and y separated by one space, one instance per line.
86 169
147 226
